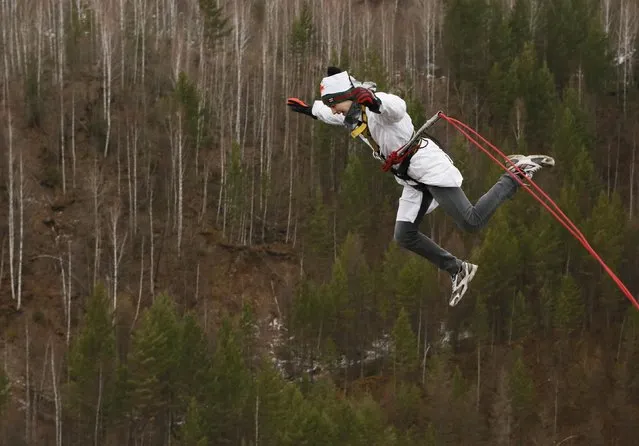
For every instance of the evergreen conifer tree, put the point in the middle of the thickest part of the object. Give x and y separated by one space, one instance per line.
92 367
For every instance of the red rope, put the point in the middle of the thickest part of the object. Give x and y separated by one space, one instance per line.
539 195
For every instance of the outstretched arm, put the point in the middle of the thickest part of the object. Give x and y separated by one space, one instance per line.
325 114
317 111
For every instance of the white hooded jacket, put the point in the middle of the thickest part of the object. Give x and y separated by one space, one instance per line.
391 129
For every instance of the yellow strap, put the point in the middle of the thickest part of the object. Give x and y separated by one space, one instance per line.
359 130
365 133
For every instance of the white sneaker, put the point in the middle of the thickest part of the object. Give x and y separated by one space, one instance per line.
461 281
529 164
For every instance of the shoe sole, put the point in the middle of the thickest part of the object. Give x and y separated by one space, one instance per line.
542 160
457 297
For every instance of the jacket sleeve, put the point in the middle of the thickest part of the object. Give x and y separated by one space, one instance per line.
393 108
325 114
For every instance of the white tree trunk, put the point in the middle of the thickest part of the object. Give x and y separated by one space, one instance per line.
60 42
27 377
56 399
117 251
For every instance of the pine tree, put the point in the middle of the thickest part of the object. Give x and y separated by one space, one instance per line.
302 31
350 311
452 407
500 46
191 432
188 102
229 387
573 40
521 322
607 234
519 22
522 393
370 427
307 319
318 239
153 363
502 88
216 25
274 399
466 40
500 251
537 90
415 286
568 306
404 347
354 210
386 285
193 365
92 366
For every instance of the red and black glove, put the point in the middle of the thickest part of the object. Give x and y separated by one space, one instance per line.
366 97
299 106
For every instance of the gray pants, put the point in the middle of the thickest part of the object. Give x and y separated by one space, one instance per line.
468 217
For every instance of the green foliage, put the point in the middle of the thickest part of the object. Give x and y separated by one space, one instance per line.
537 90
502 89
414 284
193 365
408 406
33 94
307 314
480 321
154 363
318 239
216 26
521 322
229 387
276 401
302 31
194 111
415 109
500 46
571 133
521 391
92 363
573 40
353 205
630 354
191 432
500 251
447 387
568 306
374 69
520 25
349 296
606 231
405 358
466 40
5 389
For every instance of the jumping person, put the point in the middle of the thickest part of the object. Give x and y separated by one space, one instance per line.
428 175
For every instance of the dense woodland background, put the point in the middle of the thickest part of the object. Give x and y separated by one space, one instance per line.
185 261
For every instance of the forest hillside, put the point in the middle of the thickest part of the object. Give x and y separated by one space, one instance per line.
183 260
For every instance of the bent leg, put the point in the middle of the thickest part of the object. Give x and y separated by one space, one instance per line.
468 217
412 208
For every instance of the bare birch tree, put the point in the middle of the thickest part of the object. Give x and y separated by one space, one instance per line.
106 40
60 71
96 185
56 399
117 250
628 23
15 252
